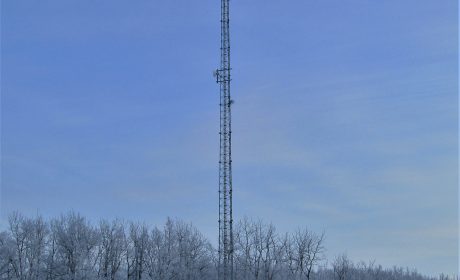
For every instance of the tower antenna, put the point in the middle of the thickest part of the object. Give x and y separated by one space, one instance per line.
223 78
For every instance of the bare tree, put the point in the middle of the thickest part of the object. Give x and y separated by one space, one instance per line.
75 243
50 256
259 250
37 230
19 236
137 242
28 236
193 252
290 257
272 253
155 261
341 265
180 251
111 248
244 247
308 251
7 255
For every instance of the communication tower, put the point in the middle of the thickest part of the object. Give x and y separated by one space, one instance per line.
223 78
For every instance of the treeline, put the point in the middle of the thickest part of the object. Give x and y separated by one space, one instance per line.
69 247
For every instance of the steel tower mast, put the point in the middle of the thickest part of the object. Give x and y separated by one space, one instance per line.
225 266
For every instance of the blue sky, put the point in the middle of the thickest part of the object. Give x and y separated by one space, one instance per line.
345 117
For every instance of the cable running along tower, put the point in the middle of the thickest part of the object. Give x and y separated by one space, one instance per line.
225 267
